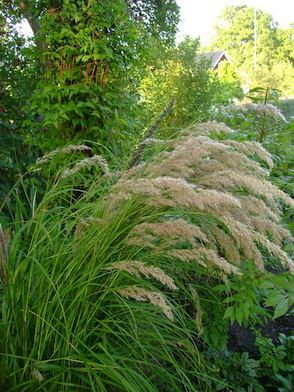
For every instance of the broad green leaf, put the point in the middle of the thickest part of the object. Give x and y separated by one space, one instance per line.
281 308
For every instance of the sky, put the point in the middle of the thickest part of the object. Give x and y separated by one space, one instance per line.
198 16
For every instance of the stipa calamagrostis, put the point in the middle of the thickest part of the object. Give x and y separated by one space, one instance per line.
222 181
142 295
210 127
95 161
70 149
137 268
172 231
212 206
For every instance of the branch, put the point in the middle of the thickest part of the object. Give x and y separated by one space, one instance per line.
33 22
150 134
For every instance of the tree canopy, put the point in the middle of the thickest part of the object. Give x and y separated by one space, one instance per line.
88 53
257 45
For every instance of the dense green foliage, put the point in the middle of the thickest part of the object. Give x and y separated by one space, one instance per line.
85 90
89 62
228 86
177 74
17 73
79 81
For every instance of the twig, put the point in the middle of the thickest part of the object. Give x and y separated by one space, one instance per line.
262 128
150 134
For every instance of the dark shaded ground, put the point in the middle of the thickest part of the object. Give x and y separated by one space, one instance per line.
242 339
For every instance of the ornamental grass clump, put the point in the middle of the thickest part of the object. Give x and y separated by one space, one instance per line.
215 203
110 291
79 311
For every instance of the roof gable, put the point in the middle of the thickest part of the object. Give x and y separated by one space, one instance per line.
215 57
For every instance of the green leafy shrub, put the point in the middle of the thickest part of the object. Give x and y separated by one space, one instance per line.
177 74
253 121
228 84
273 370
267 296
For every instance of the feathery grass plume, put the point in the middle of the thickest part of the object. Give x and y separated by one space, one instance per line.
233 181
173 192
135 267
133 171
206 128
155 298
187 255
206 258
71 149
87 163
213 259
252 149
224 243
249 240
193 157
276 232
275 250
166 188
198 310
244 237
256 207
220 179
171 231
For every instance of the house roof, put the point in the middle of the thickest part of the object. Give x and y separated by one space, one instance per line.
214 57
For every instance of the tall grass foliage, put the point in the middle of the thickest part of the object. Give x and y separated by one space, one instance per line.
65 325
